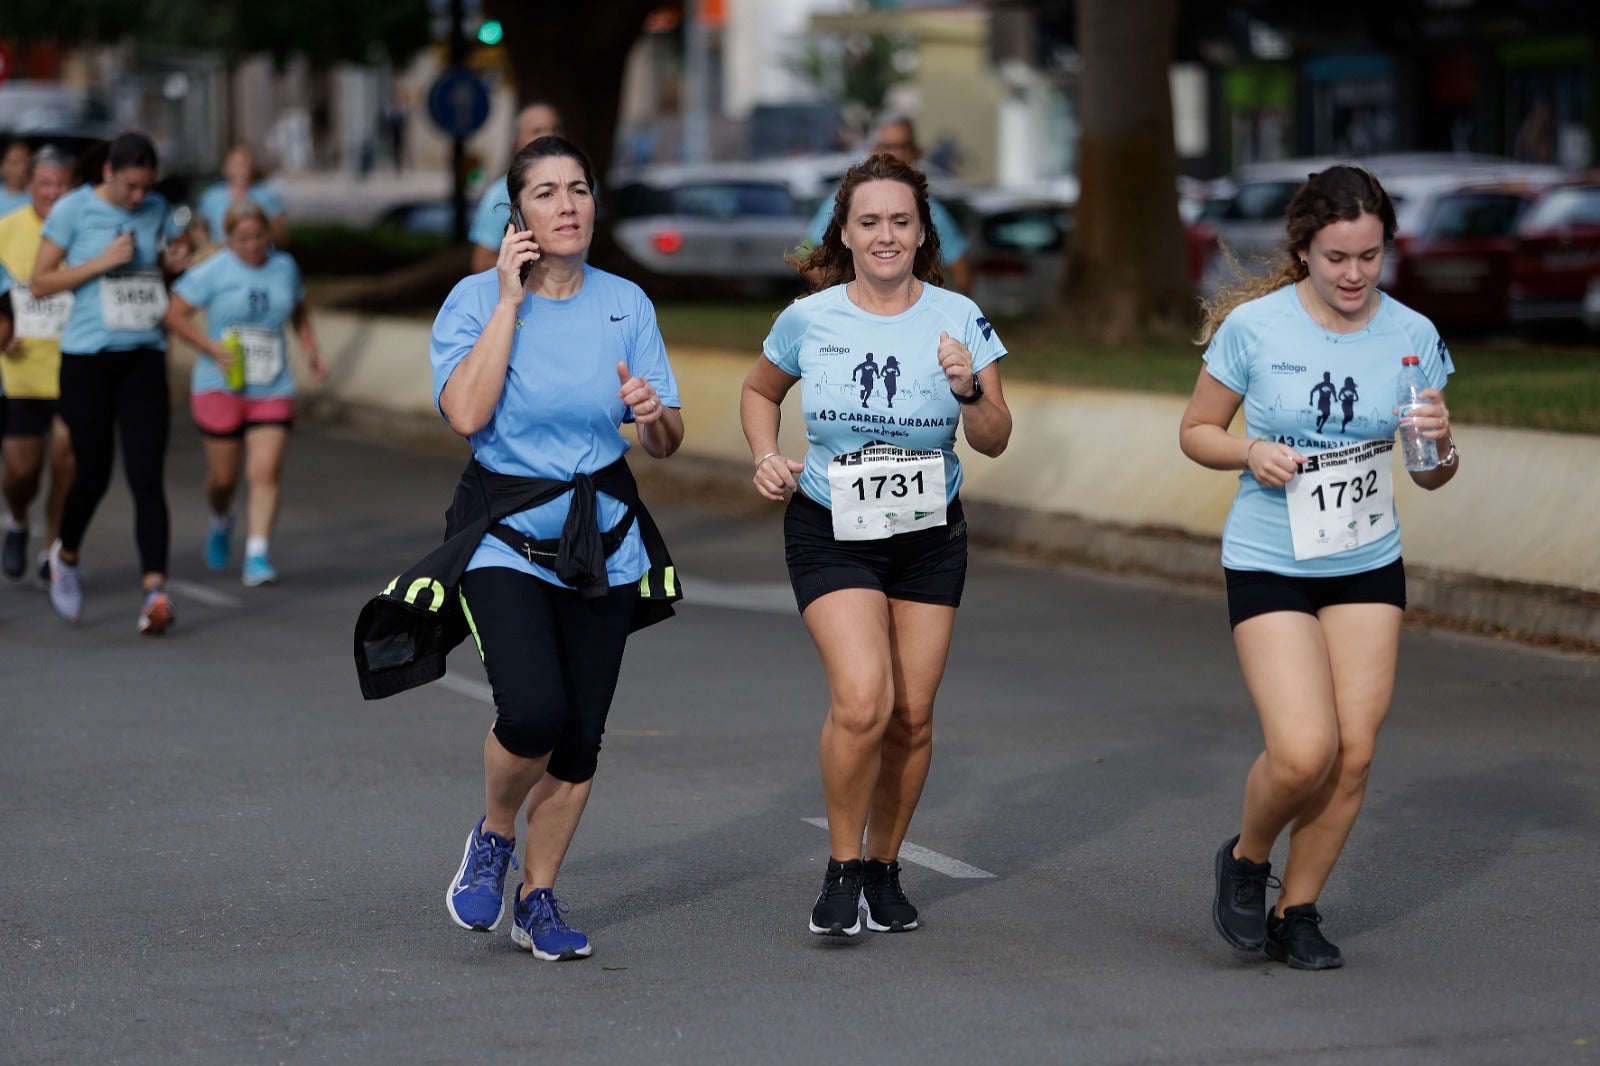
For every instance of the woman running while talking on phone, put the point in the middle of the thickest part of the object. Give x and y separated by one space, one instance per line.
1311 549
537 363
874 534
107 244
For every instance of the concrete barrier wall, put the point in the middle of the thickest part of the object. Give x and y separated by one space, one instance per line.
1524 508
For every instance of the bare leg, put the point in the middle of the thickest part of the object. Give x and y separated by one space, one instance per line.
222 472
264 447
850 628
919 647
507 780
1285 663
1363 643
24 458
553 813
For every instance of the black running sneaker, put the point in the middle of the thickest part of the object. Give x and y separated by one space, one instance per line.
837 912
888 910
14 556
1296 939
1240 909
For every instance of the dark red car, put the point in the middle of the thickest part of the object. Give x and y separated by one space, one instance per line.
1455 266
1555 273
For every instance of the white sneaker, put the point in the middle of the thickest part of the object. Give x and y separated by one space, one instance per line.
66 594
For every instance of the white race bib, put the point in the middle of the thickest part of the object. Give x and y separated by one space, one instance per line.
883 490
132 301
40 318
263 354
1342 499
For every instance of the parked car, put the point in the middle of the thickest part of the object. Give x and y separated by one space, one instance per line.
1555 267
724 222
1016 243
44 112
1247 208
1452 258
1018 240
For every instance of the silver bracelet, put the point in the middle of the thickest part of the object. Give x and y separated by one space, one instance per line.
1451 457
764 458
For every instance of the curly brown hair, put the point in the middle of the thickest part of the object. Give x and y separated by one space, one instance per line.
831 263
1342 193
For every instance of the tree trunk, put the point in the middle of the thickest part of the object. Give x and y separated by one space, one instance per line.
573 56
1126 272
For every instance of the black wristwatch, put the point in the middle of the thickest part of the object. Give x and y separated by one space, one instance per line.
977 393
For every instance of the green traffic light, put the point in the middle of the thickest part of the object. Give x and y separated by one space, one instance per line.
490 32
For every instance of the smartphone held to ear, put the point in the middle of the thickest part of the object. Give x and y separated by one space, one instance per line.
518 226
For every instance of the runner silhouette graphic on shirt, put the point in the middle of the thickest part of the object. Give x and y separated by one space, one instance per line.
867 372
891 373
1347 401
1322 394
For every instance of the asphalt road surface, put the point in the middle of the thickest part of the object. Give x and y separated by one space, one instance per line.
218 853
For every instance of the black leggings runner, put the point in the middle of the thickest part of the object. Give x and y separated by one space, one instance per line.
102 394
553 659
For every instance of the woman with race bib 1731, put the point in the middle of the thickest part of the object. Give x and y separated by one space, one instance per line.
107 243
1311 549
875 538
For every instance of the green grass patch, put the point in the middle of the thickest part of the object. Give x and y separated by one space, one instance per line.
1524 385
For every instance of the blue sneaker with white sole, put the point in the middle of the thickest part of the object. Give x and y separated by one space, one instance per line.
258 571
538 925
477 896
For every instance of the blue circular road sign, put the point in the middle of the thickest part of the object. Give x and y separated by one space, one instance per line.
459 102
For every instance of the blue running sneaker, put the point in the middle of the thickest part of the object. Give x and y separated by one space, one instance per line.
258 571
477 896
217 544
537 926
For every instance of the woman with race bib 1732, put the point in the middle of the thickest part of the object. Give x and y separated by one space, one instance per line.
875 538
1311 549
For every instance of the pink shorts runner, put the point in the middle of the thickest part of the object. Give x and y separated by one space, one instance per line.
228 414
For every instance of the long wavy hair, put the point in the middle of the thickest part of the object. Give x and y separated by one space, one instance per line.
830 263
1342 193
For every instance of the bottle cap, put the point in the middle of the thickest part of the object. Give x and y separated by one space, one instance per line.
1410 360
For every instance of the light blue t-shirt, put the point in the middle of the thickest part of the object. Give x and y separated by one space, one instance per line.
216 200
489 220
1313 390
952 242
10 201
234 294
866 377
559 413
83 225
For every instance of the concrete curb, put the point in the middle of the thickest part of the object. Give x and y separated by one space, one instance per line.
1095 477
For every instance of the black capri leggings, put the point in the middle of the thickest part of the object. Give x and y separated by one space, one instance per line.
553 659
102 395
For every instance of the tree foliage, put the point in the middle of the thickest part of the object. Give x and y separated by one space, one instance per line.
352 30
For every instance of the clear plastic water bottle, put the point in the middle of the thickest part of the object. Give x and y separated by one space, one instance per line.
1416 451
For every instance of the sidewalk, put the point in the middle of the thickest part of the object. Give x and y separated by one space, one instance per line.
1095 476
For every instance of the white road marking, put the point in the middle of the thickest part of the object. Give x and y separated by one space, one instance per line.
189 590
773 597
941 864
